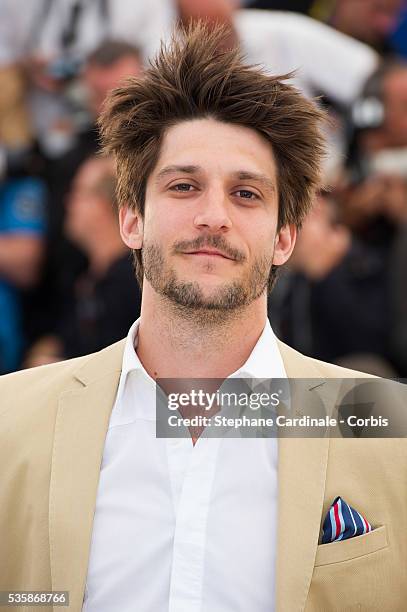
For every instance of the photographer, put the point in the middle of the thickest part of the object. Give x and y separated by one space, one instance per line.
377 166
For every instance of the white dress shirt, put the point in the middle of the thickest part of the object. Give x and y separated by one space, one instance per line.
177 527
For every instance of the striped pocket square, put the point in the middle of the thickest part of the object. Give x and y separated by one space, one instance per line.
343 522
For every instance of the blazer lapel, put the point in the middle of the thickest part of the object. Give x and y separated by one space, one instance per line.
302 464
80 431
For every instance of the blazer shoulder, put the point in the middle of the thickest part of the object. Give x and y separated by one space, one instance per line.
34 378
332 370
26 389
304 365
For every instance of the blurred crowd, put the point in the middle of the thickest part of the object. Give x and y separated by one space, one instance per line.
67 285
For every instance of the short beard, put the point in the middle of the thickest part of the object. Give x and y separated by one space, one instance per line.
188 299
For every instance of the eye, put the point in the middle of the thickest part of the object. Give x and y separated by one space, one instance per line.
246 194
182 187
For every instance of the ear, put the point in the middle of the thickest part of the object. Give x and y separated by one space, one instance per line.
284 244
131 227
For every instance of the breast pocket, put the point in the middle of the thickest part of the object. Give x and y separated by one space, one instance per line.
359 573
352 548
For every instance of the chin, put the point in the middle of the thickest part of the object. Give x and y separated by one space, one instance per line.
210 289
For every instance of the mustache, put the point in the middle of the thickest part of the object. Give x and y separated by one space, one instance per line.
214 241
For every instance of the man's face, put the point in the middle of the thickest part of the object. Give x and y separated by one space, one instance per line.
210 220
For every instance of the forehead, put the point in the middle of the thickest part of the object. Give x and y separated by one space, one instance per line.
216 147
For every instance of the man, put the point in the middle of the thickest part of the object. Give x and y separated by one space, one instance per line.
217 166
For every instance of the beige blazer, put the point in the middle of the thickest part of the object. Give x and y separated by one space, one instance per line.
53 423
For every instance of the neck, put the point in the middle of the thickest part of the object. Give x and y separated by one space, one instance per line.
182 343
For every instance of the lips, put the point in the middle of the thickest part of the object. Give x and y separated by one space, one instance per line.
208 252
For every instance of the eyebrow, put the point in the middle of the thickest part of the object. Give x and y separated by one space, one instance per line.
262 179
241 175
174 169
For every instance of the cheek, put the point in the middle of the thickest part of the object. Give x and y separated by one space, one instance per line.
264 238
165 225
261 245
158 230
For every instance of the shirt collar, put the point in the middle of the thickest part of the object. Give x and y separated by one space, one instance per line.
131 361
264 361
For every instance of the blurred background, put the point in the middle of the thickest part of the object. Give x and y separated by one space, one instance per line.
67 286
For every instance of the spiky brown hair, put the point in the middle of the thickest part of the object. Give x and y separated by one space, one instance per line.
192 77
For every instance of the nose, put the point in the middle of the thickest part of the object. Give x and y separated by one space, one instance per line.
213 213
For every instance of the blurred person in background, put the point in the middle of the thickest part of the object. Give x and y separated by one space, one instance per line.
22 227
105 67
43 127
373 201
47 41
334 300
106 296
343 297
379 23
324 60
111 62
389 85
371 21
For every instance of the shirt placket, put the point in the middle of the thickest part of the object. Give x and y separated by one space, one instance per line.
191 513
